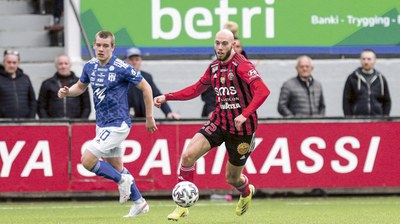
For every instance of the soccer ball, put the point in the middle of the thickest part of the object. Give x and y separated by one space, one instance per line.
185 194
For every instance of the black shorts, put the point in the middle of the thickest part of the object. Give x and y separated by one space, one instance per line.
238 147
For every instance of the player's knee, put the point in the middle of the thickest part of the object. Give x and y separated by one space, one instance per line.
188 159
87 163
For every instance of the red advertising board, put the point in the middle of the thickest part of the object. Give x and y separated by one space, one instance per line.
287 155
34 158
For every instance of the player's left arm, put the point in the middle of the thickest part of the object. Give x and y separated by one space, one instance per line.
148 102
258 88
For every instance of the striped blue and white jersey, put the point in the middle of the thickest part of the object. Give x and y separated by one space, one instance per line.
110 87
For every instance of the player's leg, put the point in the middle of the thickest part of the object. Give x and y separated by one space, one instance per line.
92 163
139 205
106 170
107 144
235 178
127 188
198 146
125 184
239 149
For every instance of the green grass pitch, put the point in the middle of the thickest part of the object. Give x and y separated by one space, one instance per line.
359 210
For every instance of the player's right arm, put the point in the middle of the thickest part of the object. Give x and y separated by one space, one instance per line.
77 89
187 93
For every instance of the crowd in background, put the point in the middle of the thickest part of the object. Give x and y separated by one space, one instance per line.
366 91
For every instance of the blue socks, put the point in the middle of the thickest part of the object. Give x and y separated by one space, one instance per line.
135 193
105 170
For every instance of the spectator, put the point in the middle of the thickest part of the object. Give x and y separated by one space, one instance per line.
238 47
366 92
51 106
58 9
17 98
133 57
208 97
301 96
233 27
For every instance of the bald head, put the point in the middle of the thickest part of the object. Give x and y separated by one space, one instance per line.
225 34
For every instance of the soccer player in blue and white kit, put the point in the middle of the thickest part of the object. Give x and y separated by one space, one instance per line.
109 78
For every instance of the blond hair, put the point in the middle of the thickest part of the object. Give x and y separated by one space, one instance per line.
233 27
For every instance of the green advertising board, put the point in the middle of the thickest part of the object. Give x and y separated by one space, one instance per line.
265 26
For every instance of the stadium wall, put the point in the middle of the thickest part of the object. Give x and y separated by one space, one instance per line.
335 155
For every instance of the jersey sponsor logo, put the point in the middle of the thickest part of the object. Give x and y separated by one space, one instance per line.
227 106
243 148
99 84
112 77
253 74
102 69
99 93
225 91
120 63
228 99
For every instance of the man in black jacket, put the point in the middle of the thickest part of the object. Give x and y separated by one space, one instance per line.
51 106
17 97
366 92
133 57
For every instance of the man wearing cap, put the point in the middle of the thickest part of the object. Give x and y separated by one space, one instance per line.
133 57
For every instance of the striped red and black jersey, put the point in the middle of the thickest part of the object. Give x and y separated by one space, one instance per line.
231 82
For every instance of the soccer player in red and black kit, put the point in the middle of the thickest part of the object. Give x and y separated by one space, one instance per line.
239 92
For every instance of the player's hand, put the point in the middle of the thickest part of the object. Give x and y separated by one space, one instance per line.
174 116
159 100
151 124
63 92
239 120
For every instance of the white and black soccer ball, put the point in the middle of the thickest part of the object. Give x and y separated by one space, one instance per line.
185 194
